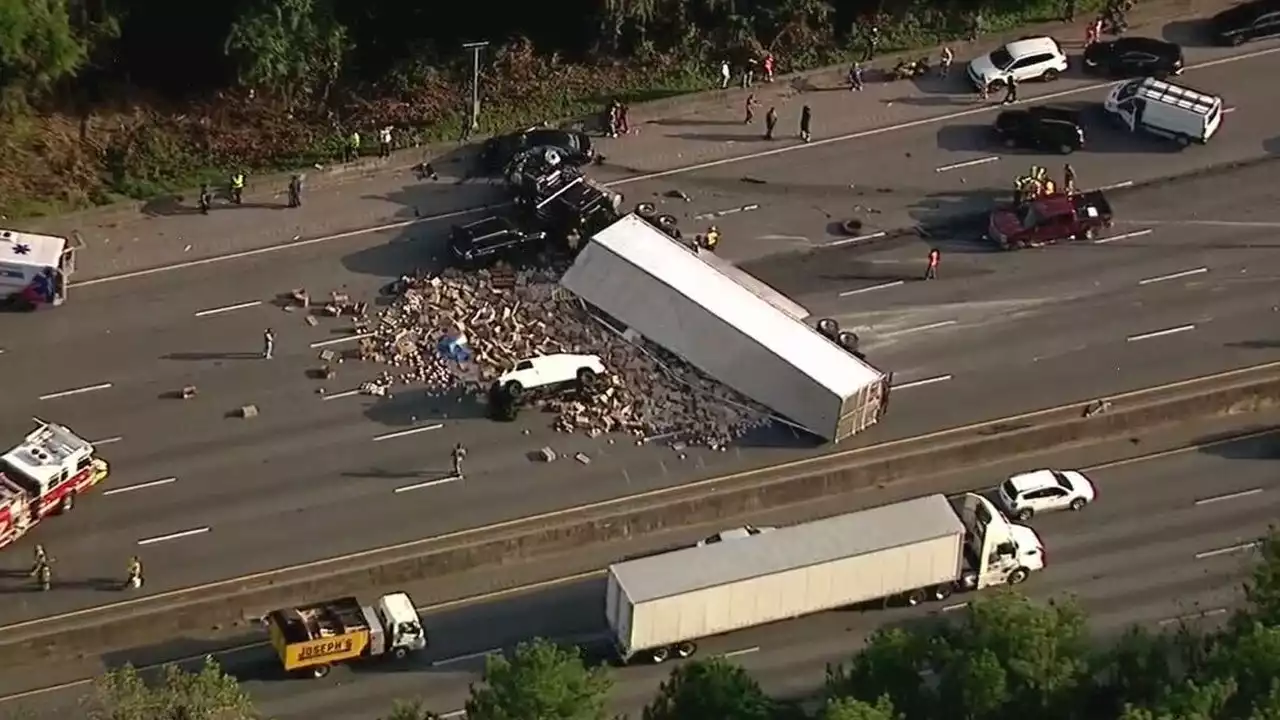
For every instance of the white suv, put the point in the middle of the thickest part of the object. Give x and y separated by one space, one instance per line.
1031 493
1031 58
549 371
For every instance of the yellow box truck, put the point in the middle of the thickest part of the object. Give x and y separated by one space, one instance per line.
314 638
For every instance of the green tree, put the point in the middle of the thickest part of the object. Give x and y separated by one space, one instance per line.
850 709
38 47
892 665
714 689
1263 587
976 684
541 680
293 48
207 694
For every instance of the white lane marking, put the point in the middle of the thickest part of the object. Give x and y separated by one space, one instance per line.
173 536
410 431
1213 223
743 651
345 338
75 391
967 163
1160 333
857 239
955 607
921 328
722 213
140 486
947 117
228 308
918 383
1228 496
464 658
1124 236
1117 186
427 484
1174 276
453 714
1228 550
107 441
881 286
343 394
283 246
1193 616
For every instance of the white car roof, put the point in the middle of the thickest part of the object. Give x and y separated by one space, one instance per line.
1032 46
1033 480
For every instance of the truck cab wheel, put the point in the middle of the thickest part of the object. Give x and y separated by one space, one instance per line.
916 597
1018 575
67 503
686 649
659 655
319 671
399 653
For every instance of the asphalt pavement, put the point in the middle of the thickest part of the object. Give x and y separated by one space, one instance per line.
1180 288
1166 542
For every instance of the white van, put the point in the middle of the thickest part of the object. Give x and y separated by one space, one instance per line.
1162 108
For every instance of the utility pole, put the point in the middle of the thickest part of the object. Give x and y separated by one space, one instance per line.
475 48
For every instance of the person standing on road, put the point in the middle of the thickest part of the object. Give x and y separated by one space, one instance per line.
855 78
459 454
1010 91
948 57
749 73
750 107
931 269
1092 32
873 43
206 199
295 191
976 26
268 344
769 66
1069 11
806 124
133 578
384 142
1068 179
770 122
353 146
725 74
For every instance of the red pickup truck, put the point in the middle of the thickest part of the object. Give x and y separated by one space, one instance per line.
1050 219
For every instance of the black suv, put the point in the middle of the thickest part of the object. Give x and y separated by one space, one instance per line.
1247 21
1134 57
488 239
1044 127
497 152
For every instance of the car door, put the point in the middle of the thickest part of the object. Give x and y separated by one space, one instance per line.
1137 63
1267 26
1055 498
1030 67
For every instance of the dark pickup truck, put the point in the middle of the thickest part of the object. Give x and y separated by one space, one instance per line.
490 239
1050 219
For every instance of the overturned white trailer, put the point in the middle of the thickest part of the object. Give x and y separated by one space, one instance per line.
735 329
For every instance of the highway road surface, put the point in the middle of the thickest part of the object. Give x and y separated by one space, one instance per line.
1183 287
1168 539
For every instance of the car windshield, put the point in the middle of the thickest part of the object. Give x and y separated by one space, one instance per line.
1001 58
1063 481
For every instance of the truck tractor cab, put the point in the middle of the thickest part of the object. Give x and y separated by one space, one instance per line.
999 552
402 624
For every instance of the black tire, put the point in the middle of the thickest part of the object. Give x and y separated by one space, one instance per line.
847 340
995 86
320 671
1078 504
686 649
1236 40
915 597
666 222
586 377
1184 141
1049 76
67 504
1018 576
1010 143
646 209
1024 514
942 592
513 389
829 327
1065 150
1087 234
657 656
399 653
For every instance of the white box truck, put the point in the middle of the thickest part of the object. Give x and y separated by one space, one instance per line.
912 551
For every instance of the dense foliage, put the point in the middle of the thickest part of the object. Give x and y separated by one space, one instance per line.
1007 658
133 97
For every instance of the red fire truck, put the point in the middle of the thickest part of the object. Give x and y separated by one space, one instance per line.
42 476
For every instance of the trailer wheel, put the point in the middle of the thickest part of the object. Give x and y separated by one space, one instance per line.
829 328
319 671
659 655
942 592
916 597
686 649
667 222
400 653
646 210
67 503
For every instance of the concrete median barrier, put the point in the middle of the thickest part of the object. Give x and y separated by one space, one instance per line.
197 612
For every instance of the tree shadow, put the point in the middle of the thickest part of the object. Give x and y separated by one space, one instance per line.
1189 33
168 206
1260 446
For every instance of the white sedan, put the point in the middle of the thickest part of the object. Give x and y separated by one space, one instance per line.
745 531
1028 494
1031 58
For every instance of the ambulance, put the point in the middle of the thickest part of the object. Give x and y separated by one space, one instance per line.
42 476
34 269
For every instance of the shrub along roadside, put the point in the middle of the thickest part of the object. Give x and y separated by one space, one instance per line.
54 164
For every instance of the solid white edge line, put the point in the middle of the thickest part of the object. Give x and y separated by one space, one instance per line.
743 651
1228 550
1229 496
340 395
881 286
107 441
852 240
403 433
967 163
1174 276
1160 333
343 339
921 328
1193 616
173 536
918 383
1117 186
427 484
75 391
139 486
453 714
228 308
1123 236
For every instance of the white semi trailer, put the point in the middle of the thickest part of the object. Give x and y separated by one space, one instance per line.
912 551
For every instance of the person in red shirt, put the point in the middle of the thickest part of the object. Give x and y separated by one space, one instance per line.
768 67
931 270
1092 32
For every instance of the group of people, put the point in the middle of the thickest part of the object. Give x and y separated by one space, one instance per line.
765 66
235 191
42 571
1037 183
616 120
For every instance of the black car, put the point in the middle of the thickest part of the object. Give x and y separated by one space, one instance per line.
1044 127
1247 21
1134 57
574 147
488 239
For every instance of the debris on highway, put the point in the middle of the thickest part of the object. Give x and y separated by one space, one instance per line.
461 330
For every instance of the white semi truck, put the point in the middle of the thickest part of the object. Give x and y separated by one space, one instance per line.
913 551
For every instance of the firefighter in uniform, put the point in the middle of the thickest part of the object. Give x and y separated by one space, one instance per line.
237 187
134 578
712 239
40 570
1068 178
459 454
